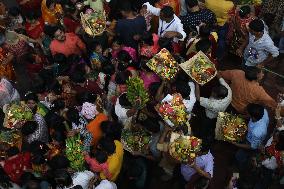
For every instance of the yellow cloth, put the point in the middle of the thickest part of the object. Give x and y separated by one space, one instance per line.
114 162
221 9
50 16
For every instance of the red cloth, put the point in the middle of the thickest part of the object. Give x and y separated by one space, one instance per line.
35 32
72 45
70 25
90 86
15 166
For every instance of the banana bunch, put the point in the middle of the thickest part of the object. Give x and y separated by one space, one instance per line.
74 153
136 93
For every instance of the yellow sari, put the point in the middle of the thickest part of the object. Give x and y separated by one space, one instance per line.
50 16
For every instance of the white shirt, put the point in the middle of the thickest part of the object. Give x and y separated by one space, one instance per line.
257 51
204 162
121 113
214 106
82 179
105 184
175 25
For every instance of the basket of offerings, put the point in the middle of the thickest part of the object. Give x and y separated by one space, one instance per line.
74 153
94 23
164 64
17 114
200 68
184 148
230 127
136 140
136 93
173 110
9 138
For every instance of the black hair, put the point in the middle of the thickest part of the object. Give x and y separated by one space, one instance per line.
151 125
168 11
191 3
203 45
57 105
125 6
38 85
205 147
123 101
38 159
220 91
26 177
73 115
59 135
147 38
153 88
59 162
12 151
111 129
244 11
73 58
109 70
100 155
256 111
280 144
60 58
49 2
14 11
183 88
49 30
124 60
31 15
62 178
54 121
204 31
256 25
54 87
86 97
38 147
201 183
107 145
165 43
122 77
31 96
134 170
117 40
5 181
78 77
182 77
251 73
29 127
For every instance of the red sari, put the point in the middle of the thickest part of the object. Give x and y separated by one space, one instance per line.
16 165
35 31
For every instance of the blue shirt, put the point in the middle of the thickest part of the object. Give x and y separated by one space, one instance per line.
257 131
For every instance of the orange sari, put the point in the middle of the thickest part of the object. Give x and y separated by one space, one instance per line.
50 16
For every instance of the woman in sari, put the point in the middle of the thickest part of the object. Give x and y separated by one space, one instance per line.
238 27
51 12
6 58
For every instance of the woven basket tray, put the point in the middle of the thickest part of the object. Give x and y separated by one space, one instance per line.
88 27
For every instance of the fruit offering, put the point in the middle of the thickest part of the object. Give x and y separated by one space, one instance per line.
74 153
200 68
94 23
17 113
232 127
173 110
184 148
135 140
164 64
136 93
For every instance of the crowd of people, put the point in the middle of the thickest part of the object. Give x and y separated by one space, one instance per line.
77 86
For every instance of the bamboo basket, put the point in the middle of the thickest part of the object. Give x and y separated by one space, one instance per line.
87 26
